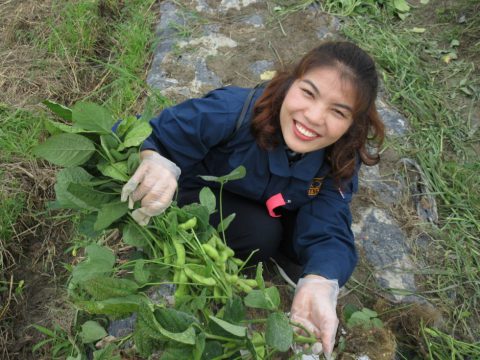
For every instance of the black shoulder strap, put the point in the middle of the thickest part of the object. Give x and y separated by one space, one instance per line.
243 113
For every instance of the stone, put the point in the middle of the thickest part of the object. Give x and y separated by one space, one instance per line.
395 123
385 247
389 190
259 67
123 327
324 33
255 20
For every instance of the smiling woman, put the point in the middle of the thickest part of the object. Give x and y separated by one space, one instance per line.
302 143
317 110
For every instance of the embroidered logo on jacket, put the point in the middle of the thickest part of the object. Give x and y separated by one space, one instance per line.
315 186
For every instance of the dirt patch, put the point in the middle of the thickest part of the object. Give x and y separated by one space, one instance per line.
37 254
285 41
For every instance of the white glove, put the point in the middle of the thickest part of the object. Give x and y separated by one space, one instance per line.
154 182
314 306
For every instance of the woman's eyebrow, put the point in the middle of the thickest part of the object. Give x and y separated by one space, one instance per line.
315 89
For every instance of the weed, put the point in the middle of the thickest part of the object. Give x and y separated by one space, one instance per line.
19 131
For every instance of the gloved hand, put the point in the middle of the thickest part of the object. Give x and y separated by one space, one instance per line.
314 306
154 182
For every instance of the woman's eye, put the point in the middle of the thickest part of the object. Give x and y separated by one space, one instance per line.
339 113
308 92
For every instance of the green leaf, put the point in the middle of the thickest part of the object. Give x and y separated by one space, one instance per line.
117 171
103 287
234 310
109 213
259 276
259 338
358 318
100 261
213 349
207 199
106 353
85 227
58 109
87 196
108 142
55 127
225 223
279 334
121 306
268 299
401 5
348 311
125 125
376 322
174 320
176 352
132 163
133 235
235 174
64 177
90 116
140 273
135 136
370 313
92 331
240 331
199 346
66 150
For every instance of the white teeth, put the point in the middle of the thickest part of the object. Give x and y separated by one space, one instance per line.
304 131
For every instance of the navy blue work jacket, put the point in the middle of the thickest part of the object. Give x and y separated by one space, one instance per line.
193 135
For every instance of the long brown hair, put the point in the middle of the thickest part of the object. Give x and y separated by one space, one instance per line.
367 129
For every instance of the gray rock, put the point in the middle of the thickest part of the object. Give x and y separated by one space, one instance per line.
123 327
254 20
166 32
390 190
385 247
258 67
395 123
323 33
206 76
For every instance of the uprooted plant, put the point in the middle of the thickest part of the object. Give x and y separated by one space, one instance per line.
207 318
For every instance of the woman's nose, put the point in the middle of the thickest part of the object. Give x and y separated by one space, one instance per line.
316 115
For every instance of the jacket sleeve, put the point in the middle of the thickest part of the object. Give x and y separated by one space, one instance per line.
323 238
186 132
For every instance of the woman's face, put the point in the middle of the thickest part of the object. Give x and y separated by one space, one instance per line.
317 110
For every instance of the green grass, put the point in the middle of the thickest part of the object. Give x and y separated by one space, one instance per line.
427 91
12 205
19 132
111 40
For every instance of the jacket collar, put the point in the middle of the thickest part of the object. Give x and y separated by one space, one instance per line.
304 169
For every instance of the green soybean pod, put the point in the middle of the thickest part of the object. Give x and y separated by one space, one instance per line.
180 251
250 282
232 279
182 287
237 261
199 279
189 224
211 251
243 286
166 253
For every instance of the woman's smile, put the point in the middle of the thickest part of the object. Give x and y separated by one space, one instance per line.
317 110
304 133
